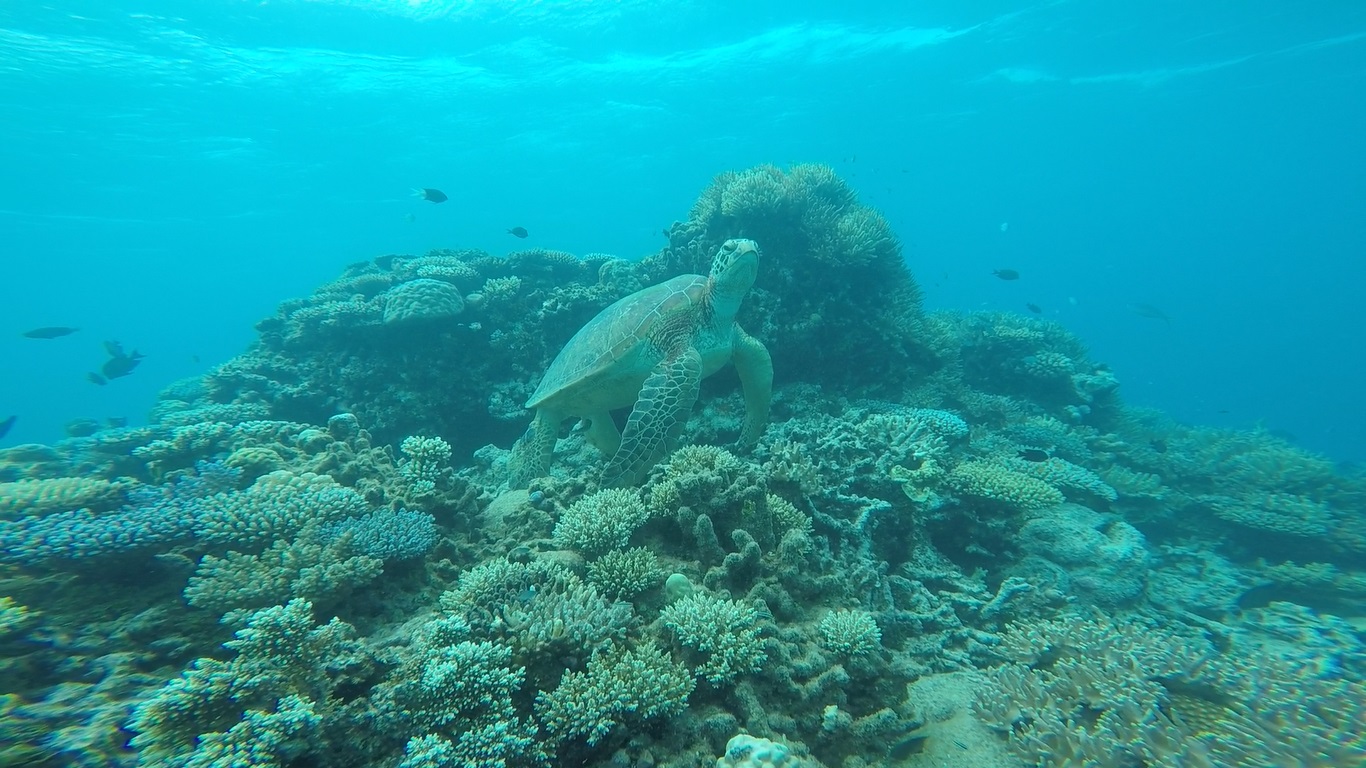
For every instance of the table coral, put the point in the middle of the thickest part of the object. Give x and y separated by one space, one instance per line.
994 482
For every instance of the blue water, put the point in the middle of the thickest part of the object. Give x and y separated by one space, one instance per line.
172 170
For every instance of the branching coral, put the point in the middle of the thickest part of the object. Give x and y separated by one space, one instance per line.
424 458
622 574
618 685
263 703
724 633
1093 691
850 633
602 521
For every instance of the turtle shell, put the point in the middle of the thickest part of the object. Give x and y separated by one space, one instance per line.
607 339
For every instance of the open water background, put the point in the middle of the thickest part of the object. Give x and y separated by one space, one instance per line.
173 170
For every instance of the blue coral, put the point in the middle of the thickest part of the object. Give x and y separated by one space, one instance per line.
389 534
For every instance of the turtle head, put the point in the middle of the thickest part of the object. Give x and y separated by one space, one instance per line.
734 269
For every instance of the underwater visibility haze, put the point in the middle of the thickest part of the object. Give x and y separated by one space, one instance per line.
511 384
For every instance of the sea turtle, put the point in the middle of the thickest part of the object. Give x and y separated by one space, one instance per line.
651 350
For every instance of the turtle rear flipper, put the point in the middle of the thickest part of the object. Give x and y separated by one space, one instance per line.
666 399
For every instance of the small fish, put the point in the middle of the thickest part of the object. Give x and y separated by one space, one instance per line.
518 232
431 195
7 424
50 332
1035 308
96 379
1034 454
410 218
386 261
116 422
1158 444
1006 274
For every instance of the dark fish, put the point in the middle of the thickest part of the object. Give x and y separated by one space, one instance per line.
905 748
1035 308
82 428
1151 312
431 195
386 261
518 232
118 367
116 422
50 332
1006 274
1158 444
7 424
95 378
1033 454
113 349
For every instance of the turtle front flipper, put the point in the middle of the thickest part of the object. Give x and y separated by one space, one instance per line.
532 454
755 368
666 399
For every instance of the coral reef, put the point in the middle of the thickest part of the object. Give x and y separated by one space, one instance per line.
955 545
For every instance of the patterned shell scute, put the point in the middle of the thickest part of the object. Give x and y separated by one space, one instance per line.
607 338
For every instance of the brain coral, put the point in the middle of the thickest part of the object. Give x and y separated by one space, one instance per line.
422 299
